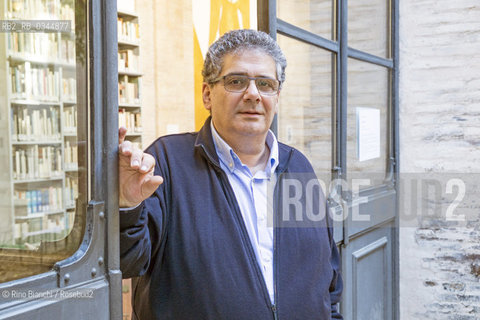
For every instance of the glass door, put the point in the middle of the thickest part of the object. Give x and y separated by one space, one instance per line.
339 107
58 142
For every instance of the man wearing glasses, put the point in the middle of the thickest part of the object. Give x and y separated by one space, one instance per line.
200 213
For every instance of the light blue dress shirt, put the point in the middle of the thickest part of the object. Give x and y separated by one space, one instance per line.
252 193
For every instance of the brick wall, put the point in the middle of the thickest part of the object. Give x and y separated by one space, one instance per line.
440 132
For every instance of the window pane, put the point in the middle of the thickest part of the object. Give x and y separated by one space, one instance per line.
314 16
305 108
368 27
367 125
43 138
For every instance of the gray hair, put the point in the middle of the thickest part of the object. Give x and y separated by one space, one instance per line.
237 41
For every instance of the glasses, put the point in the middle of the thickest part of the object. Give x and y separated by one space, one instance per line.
240 83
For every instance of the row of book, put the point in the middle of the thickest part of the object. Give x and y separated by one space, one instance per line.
70 156
37 83
128 61
67 50
36 124
130 120
70 119
36 162
41 83
128 91
35 10
41 46
49 228
71 191
69 86
38 200
127 30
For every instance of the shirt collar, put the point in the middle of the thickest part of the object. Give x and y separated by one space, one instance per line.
230 159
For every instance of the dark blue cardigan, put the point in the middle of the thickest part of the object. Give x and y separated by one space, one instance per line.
190 251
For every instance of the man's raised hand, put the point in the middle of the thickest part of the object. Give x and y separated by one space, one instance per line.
135 169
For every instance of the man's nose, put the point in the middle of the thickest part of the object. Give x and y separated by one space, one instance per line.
251 92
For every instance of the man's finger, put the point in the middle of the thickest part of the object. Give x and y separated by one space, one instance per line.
148 162
126 148
151 185
122 132
136 158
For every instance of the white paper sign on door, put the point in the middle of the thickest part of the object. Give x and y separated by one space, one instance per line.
368 133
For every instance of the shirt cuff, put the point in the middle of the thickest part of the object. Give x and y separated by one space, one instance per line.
131 208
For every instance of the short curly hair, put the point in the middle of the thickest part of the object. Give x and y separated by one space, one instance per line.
236 41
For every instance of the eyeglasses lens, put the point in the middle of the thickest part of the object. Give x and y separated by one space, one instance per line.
237 83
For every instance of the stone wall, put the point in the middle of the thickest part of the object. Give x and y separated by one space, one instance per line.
166 53
440 132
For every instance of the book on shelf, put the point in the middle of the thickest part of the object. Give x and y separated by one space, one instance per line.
71 191
48 199
69 86
70 119
128 60
43 228
35 10
33 45
36 162
67 50
17 75
131 91
128 92
127 30
70 156
35 83
138 122
35 124
130 120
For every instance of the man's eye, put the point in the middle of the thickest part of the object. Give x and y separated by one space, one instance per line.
263 83
236 81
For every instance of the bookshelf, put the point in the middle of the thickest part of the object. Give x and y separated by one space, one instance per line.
129 74
40 176
129 91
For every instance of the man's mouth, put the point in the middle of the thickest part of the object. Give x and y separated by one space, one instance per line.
250 112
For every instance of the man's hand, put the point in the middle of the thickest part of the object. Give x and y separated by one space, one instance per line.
135 168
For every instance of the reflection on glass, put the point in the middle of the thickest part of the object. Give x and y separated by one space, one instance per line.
42 136
368 27
314 16
367 89
305 107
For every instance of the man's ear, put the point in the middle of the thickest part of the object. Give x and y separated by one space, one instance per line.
206 96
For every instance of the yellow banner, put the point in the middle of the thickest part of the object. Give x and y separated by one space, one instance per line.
211 19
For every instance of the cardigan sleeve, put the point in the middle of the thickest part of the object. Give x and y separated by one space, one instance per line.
143 229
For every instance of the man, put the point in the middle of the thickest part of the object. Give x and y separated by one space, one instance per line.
202 243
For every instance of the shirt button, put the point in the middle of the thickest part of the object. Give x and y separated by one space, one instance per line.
267 259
